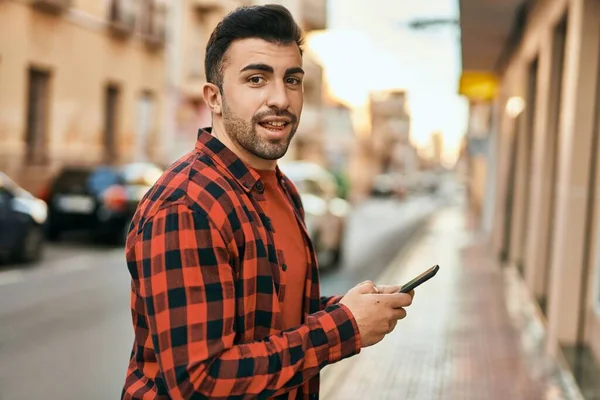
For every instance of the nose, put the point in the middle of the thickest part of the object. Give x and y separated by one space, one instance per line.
278 97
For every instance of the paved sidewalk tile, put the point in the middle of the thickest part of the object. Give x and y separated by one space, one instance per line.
462 339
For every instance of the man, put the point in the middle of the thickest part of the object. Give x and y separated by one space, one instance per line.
225 286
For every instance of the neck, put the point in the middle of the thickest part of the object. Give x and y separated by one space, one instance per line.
218 131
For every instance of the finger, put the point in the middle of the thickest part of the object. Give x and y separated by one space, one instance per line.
366 287
393 324
367 282
398 313
412 294
396 300
388 289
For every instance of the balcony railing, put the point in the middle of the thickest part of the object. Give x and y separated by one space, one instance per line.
219 5
53 6
122 17
207 5
154 28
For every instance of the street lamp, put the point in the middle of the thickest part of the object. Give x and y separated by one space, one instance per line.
425 23
430 24
515 106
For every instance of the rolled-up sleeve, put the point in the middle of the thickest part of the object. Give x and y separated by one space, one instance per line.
329 301
187 284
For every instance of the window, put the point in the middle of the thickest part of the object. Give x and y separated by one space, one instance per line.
122 17
153 15
556 79
595 156
111 104
71 178
101 179
122 11
146 19
145 112
37 115
197 47
530 111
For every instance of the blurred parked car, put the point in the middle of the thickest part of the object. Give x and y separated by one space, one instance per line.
325 211
22 219
426 182
389 185
102 199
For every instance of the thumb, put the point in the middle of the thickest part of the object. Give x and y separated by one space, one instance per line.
365 287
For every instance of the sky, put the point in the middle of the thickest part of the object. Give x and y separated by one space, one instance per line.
369 46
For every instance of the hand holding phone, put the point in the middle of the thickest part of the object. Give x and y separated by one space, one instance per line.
424 277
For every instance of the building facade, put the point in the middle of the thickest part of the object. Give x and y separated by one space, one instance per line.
543 127
340 137
81 82
390 130
391 149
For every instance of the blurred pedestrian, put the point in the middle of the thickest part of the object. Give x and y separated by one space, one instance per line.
225 288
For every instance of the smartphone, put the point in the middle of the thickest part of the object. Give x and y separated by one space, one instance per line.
424 277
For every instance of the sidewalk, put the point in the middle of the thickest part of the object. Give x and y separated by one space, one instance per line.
471 332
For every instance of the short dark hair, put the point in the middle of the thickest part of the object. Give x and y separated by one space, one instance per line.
272 22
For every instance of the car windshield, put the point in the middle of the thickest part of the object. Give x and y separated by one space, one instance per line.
71 177
144 174
102 178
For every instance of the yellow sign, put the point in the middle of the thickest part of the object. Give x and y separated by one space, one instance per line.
477 85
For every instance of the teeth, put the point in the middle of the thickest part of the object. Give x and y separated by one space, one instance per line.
276 123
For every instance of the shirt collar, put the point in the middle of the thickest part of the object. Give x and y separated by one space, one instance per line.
219 153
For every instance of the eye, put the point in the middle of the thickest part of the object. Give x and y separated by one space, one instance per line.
256 80
292 80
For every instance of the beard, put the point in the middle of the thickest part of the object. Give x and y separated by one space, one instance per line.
244 133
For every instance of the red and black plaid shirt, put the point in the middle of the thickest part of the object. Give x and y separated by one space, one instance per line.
208 285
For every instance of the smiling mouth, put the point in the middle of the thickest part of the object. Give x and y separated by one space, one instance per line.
275 126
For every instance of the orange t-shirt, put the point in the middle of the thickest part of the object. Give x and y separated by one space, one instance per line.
288 239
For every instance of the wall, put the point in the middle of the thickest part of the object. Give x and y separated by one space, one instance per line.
573 250
82 56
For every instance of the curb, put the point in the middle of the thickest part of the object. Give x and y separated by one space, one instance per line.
534 327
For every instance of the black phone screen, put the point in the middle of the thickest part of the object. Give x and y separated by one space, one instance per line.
424 277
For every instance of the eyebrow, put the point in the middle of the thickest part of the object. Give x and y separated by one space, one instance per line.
269 69
294 70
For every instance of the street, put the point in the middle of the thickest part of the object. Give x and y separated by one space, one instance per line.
65 327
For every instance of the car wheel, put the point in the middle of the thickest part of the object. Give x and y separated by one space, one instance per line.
124 233
117 236
31 247
52 231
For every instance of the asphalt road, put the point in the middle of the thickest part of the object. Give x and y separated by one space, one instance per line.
65 327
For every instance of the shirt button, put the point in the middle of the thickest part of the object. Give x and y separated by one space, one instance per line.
260 187
284 267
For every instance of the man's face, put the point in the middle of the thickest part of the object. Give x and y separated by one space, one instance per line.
262 96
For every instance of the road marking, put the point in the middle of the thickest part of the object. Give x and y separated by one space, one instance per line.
72 266
54 267
9 277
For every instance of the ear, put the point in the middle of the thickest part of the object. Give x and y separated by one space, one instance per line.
212 97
